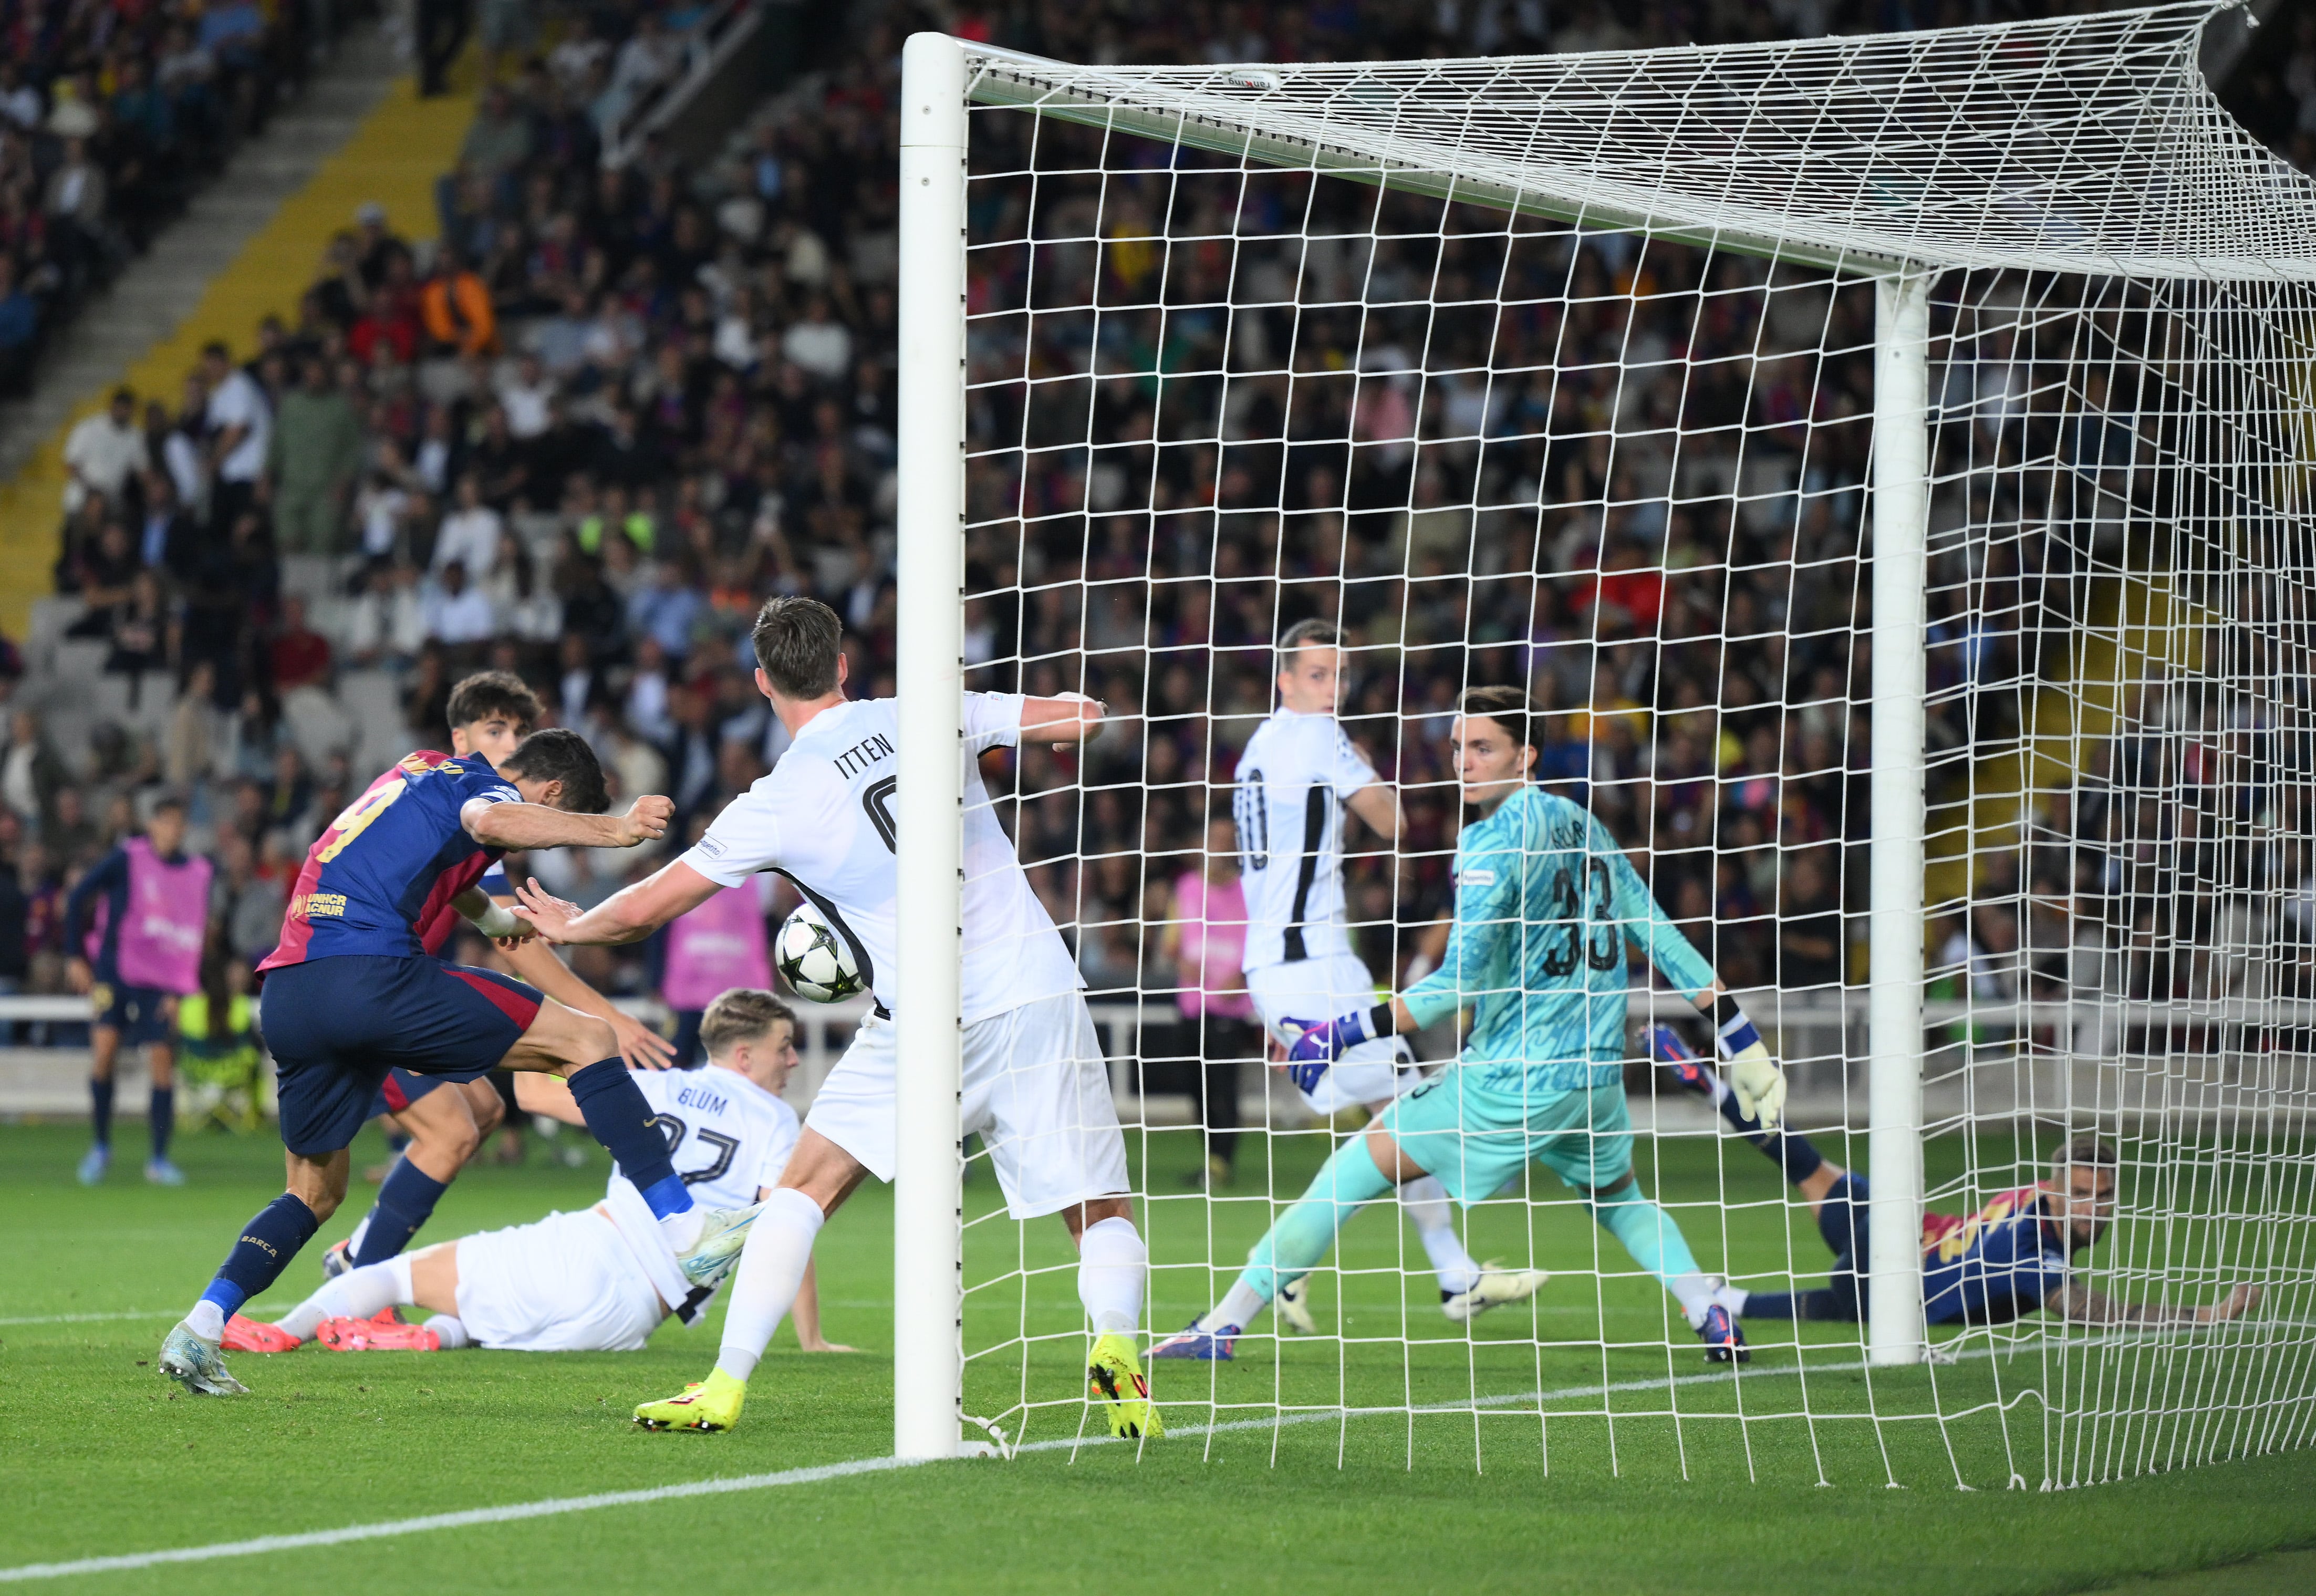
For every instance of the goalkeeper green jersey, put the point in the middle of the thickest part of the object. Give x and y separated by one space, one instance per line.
1545 903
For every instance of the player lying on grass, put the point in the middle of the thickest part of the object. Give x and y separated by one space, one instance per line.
1297 779
489 713
2012 1257
1546 904
1035 1085
597 1281
350 992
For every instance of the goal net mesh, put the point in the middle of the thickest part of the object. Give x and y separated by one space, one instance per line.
1559 372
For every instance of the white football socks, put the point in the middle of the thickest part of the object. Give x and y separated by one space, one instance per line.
356 1294
771 1272
207 1320
1113 1262
1696 1292
682 1230
1427 1204
1238 1308
451 1332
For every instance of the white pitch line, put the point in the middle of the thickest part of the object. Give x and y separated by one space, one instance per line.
255 1309
553 1506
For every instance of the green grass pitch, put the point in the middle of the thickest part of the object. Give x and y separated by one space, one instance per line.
1609 1493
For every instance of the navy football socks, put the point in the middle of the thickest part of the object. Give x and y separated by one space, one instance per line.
100 1110
405 1201
161 1118
618 1117
267 1245
1789 1151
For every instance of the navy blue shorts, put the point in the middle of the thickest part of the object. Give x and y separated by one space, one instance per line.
338 1028
135 1011
400 1089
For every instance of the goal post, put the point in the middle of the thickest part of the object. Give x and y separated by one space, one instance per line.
1900 531
1884 462
928 1238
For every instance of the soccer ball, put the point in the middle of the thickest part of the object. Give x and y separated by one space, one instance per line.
815 961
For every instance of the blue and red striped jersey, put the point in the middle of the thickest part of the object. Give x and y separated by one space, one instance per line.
381 878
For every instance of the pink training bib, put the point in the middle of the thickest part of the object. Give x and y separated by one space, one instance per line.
719 945
166 919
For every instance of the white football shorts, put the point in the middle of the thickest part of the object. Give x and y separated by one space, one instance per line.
566 1284
1315 989
1036 1092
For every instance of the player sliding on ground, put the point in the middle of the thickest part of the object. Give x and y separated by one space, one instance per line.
490 713
1297 777
350 992
1036 1087
1545 903
603 1279
2010 1258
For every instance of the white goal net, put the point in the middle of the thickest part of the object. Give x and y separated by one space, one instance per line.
1883 465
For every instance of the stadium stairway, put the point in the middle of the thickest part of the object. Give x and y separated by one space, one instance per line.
248 246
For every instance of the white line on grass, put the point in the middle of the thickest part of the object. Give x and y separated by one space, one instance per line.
557 1505
256 1309
795 1477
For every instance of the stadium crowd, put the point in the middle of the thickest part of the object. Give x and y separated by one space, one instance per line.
583 435
110 117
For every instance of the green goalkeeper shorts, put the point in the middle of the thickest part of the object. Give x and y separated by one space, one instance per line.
1474 1138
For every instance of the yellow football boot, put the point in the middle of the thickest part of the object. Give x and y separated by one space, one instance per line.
712 1405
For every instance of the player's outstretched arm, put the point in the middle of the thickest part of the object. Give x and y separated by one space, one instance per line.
1062 721
538 1093
628 916
2079 1304
536 825
640 1047
806 1313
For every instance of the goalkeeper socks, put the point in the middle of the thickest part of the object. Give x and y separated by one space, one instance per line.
266 1245
618 1117
100 1110
1656 1243
1112 1263
1238 1307
405 1201
1305 1232
357 1293
770 1274
161 1119
1426 1203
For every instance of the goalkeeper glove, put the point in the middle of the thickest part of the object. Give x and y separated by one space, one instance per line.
1753 1075
1311 1049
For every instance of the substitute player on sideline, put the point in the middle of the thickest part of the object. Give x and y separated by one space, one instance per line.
350 994
602 1279
1297 777
146 955
1545 903
489 714
1036 1085
2015 1254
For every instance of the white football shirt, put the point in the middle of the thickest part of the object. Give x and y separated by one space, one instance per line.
1292 779
728 1137
824 818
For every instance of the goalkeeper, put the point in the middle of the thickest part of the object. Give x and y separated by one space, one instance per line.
1545 903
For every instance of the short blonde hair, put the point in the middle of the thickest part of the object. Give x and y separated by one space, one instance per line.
741 1015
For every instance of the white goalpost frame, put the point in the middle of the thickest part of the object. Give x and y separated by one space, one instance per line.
933 518
928 1212
1901 522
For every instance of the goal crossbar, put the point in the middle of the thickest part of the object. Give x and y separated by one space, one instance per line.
2088 144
